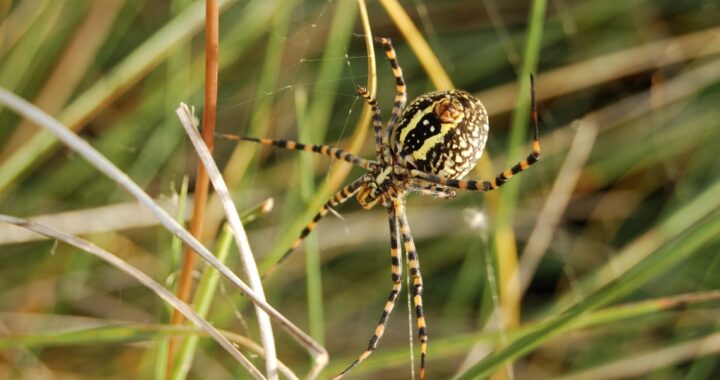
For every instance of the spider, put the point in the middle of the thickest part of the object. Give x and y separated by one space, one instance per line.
426 147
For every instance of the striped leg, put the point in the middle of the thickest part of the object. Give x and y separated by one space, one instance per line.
433 190
413 263
326 150
381 147
394 293
340 197
400 89
503 177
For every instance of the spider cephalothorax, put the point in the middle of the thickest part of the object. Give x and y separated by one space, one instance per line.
428 146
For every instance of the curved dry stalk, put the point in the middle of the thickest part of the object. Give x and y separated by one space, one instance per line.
188 121
106 167
144 279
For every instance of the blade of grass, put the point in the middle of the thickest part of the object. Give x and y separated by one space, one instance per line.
103 332
164 136
573 77
641 248
123 76
19 21
504 235
660 260
645 363
418 44
316 319
507 253
452 346
557 201
162 139
13 70
201 304
70 68
161 363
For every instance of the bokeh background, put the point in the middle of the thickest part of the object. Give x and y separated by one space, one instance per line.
618 223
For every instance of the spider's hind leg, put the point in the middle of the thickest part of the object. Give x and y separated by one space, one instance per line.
413 263
396 273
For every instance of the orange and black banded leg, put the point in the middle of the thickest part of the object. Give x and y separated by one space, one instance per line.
413 263
400 88
339 198
381 147
433 190
326 150
503 177
396 273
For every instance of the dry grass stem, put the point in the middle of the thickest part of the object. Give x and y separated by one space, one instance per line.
189 122
141 277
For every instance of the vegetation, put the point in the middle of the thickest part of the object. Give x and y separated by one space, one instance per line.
597 262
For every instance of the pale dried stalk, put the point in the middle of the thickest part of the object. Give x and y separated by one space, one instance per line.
144 279
188 121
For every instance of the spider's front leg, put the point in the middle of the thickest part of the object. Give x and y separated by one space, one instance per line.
325 150
400 89
381 144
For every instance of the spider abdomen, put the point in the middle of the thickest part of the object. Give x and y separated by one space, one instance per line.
442 133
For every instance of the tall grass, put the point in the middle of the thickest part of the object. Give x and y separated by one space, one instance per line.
624 274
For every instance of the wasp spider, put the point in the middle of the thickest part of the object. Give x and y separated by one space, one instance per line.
428 147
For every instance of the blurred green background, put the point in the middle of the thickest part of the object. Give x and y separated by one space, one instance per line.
618 222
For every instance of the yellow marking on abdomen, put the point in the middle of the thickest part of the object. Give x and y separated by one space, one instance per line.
429 143
414 122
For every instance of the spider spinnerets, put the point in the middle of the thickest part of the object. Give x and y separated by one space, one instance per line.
428 147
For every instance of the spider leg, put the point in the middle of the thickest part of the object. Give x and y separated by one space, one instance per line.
400 89
326 150
339 198
383 154
413 263
503 177
433 190
396 273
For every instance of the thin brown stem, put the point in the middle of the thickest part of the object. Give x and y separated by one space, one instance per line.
202 182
